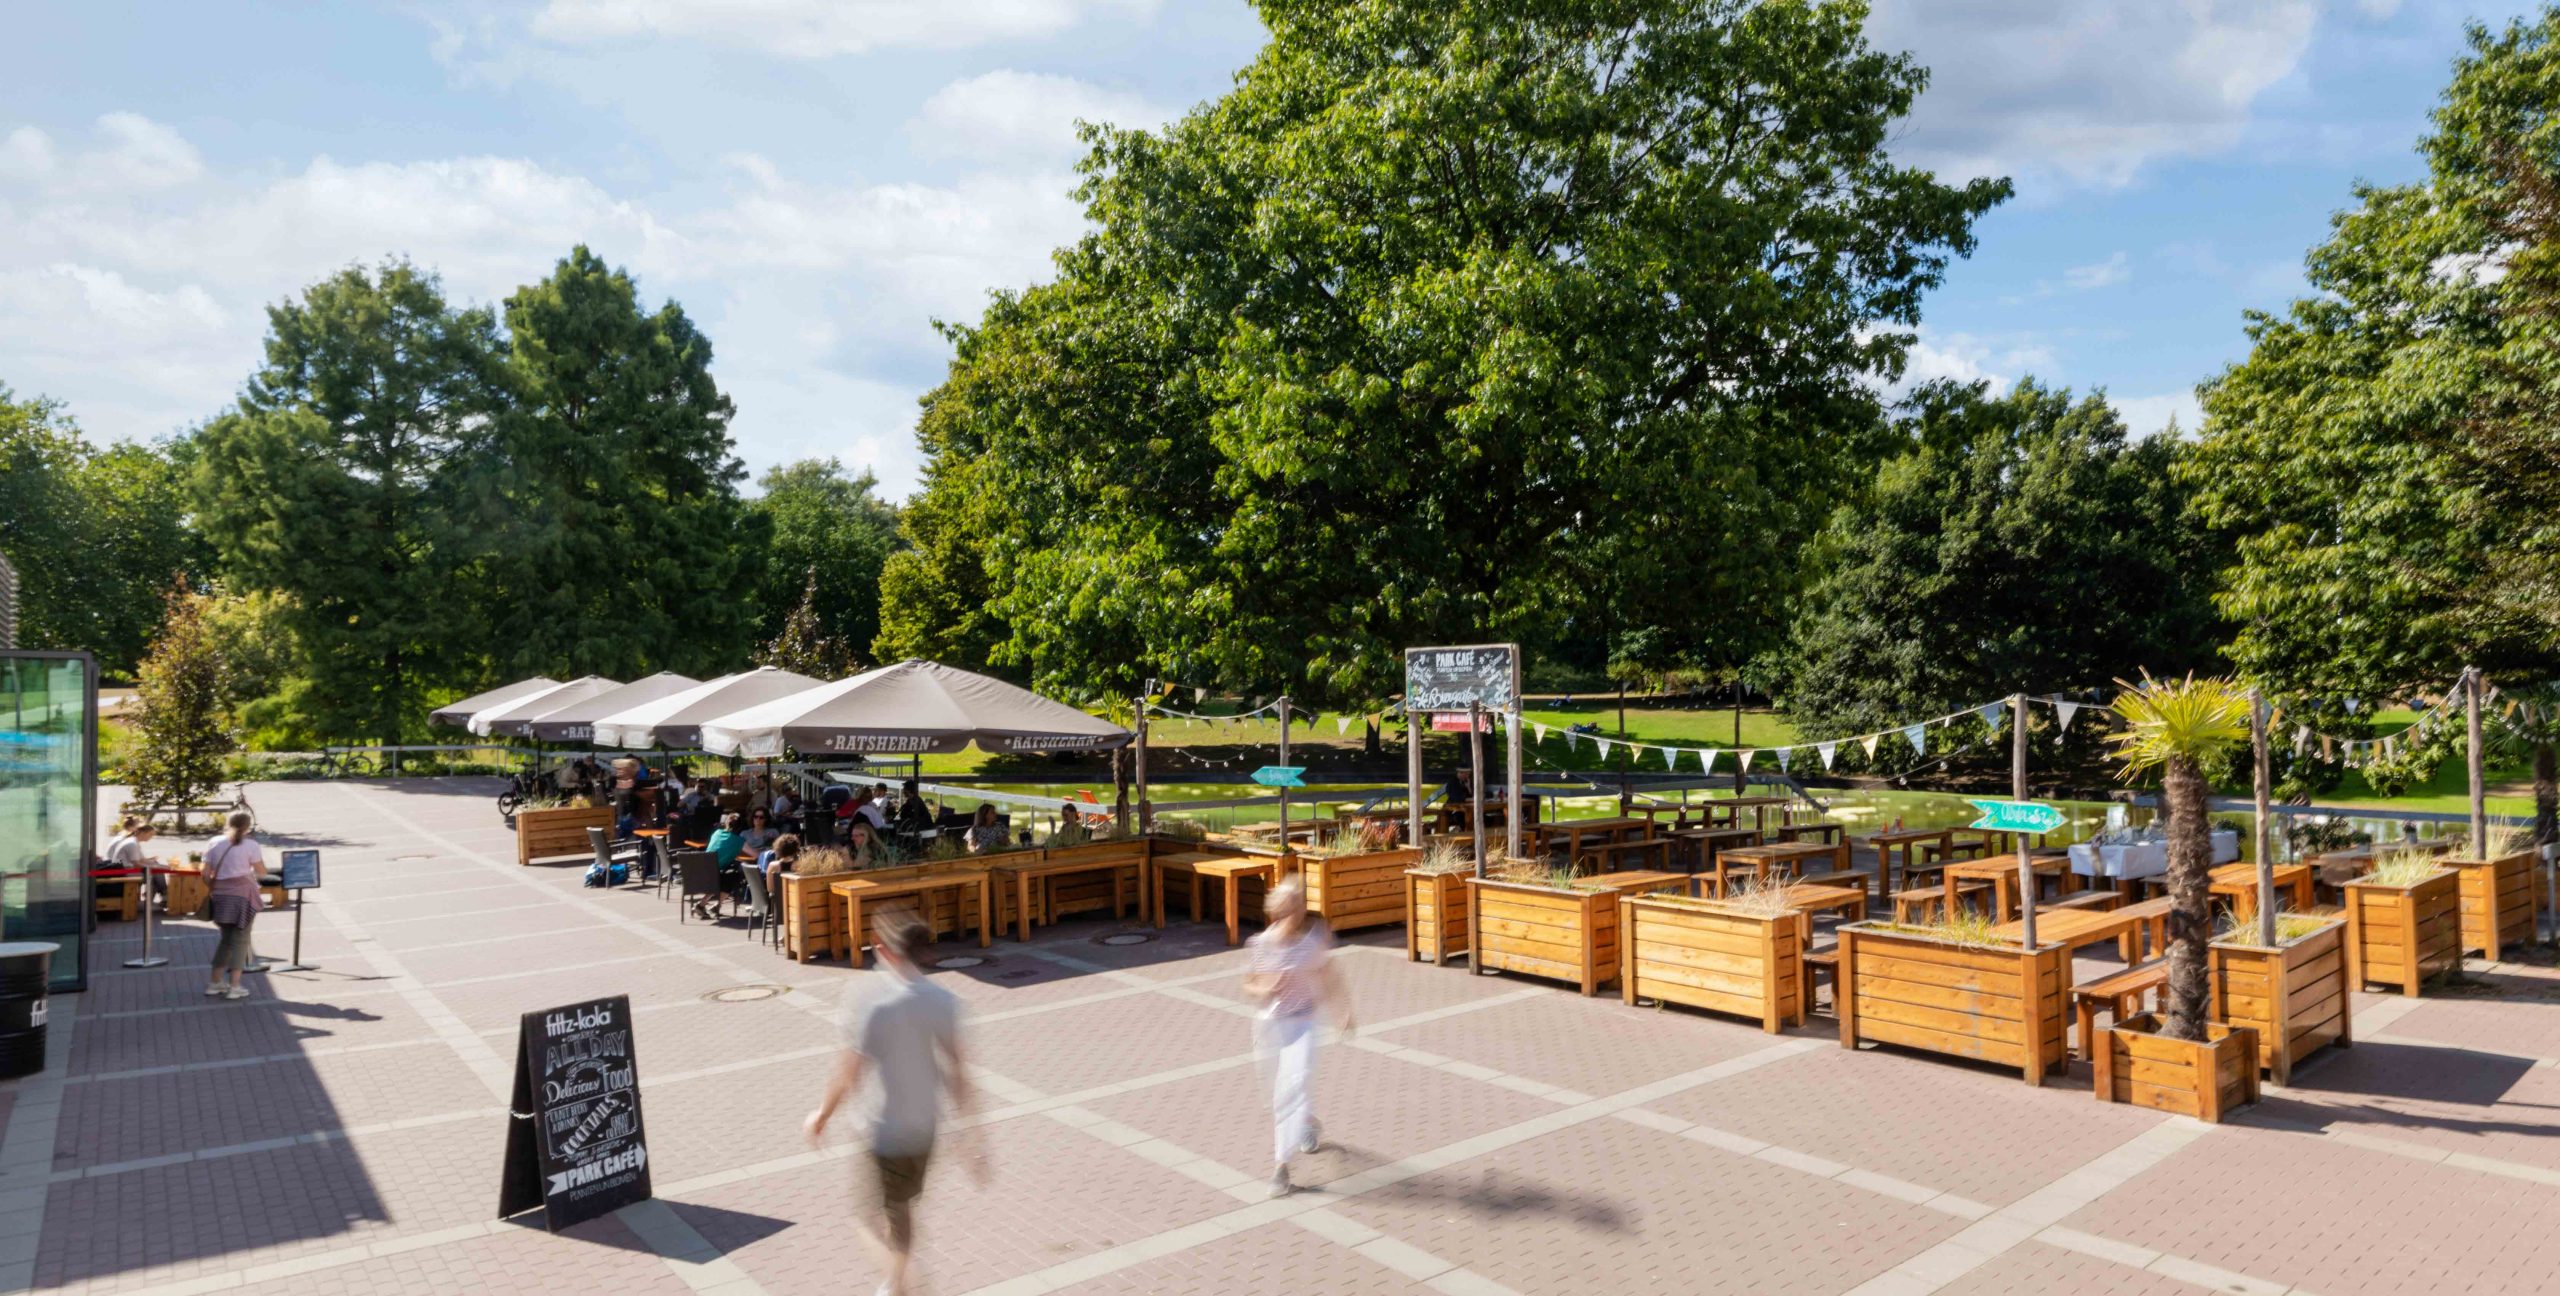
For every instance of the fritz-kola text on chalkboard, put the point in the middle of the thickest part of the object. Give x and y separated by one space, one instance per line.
1449 679
575 1146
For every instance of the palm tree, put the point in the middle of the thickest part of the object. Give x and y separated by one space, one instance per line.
2175 726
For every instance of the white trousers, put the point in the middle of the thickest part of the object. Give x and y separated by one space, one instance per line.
1288 1048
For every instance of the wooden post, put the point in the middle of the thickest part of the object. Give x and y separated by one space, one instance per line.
2026 861
1284 790
2479 792
1511 813
1475 781
2262 842
1412 780
1146 811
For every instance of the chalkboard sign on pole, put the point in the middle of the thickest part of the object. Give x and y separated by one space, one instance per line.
575 1144
1453 679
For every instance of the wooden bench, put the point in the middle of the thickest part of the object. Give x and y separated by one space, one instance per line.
2151 921
1847 878
120 897
2099 900
2121 995
1919 903
1818 965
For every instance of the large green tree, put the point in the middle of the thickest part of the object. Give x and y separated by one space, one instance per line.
96 534
829 535
40 455
2017 543
1486 319
613 538
183 731
340 482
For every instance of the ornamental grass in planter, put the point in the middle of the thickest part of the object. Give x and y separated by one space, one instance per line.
1435 903
2404 922
2496 890
2294 996
1953 987
1743 956
1528 917
1352 884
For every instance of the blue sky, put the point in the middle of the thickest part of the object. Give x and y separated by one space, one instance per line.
816 180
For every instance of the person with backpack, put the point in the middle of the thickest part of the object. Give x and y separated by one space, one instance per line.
232 865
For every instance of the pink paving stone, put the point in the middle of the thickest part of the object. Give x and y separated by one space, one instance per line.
661 978
2339 1220
1610 1206
148 1116
1912 1117
201 1030
734 1119
601 1255
529 918
1280 1259
2524 1026
1384 986
1055 1195
469 894
1595 1046
1101 1043
2453 1099
1374 1110
2033 1266
565 948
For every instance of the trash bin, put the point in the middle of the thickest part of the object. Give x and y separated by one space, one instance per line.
26 968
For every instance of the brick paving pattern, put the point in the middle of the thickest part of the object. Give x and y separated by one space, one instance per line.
341 1131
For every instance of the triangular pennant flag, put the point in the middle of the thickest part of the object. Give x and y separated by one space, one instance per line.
1707 759
1918 737
2301 737
1742 759
2328 749
1199 697
1991 713
1603 745
1671 758
1828 750
1783 754
1342 724
1542 731
2353 706
1869 742
2063 711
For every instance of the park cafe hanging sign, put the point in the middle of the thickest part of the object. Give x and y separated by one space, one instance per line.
1442 681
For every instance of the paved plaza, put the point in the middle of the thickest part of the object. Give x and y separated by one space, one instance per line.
341 1131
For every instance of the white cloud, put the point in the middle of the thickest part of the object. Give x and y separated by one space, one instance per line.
2101 274
825 28
2149 415
1022 116
2088 94
1968 357
133 154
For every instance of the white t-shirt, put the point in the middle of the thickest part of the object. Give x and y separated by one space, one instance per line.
901 1025
224 860
871 810
1298 965
125 852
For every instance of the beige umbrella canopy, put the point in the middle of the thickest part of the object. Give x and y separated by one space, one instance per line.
676 719
514 720
576 721
458 714
907 709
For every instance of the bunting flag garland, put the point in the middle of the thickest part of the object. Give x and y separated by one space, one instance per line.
1342 724
1870 742
1828 750
1199 697
1671 758
2353 706
2301 737
1707 759
1572 740
2063 711
1991 713
1742 760
1783 754
1918 737
1603 745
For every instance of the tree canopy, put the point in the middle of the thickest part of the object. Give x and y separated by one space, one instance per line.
829 534
96 534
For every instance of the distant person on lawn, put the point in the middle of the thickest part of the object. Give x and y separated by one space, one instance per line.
904 1032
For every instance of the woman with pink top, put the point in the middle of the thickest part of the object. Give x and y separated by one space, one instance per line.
232 863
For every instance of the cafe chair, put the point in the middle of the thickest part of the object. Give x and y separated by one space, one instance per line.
761 919
698 880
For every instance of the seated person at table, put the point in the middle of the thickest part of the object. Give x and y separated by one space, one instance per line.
760 832
728 843
699 813
1457 791
786 808
867 808
779 860
626 813
125 853
1071 829
985 834
864 845
914 815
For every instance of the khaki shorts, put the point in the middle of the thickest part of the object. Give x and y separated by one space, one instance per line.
901 1180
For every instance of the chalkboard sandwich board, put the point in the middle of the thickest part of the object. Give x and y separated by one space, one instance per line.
575 1144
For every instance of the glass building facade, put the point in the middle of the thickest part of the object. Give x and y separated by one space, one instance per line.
48 803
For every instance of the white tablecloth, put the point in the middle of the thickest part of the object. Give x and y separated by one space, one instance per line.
2143 859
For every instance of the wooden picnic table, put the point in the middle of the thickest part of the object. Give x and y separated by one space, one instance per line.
1229 871
1699 846
2079 928
1617 856
2001 871
2238 883
1573 832
1311 831
1788 856
1021 874
1907 841
1729 809
1640 882
1847 901
2339 867
1824 830
855 892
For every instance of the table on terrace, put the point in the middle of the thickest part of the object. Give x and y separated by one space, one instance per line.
855 892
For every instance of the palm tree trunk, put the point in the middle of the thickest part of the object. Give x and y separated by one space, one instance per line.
2182 799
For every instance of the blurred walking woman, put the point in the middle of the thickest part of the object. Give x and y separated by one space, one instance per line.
232 863
1290 973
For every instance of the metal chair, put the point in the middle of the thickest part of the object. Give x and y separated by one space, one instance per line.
631 854
698 878
760 915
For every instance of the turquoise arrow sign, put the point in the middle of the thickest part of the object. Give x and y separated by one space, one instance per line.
1280 776
2017 816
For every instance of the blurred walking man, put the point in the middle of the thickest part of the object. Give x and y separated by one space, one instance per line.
1291 975
905 1032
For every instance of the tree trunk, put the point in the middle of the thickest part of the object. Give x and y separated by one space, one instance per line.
1372 743
2182 799
2546 794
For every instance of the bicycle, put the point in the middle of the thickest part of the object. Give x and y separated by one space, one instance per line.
344 762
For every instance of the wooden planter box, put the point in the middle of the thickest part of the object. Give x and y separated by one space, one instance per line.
2497 902
1354 891
2294 997
1712 956
2205 1079
1435 915
2003 1004
2400 936
1085 894
552 834
1565 935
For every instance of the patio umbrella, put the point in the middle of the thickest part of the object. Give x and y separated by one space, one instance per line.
458 714
910 708
676 719
515 719
576 721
